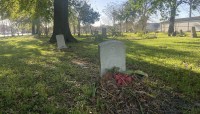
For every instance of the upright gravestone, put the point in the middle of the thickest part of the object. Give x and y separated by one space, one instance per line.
112 54
104 34
193 33
181 33
96 33
61 41
97 36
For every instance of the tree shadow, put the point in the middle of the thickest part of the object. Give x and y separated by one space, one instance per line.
190 44
182 81
54 75
35 82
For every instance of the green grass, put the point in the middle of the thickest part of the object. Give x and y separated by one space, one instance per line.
37 78
175 60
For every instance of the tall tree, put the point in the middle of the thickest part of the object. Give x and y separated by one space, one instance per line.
129 14
111 12
61 23
193 4
144 9
33 9
86 15
169 9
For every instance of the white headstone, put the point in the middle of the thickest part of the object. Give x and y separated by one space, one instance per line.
61 41
112 54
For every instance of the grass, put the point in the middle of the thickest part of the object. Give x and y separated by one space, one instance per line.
174 60
37 78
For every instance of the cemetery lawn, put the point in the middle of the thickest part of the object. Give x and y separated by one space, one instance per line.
35 77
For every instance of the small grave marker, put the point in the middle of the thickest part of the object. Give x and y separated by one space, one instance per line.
193 33
61 42
97 36
104 34
112 54
96 33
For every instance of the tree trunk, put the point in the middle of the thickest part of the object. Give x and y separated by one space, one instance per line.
38 27
126 24
144 23
61 23
74 28
22 32
91 30
33 28
172 21
190 14
46 31
79 28
120 24
12 32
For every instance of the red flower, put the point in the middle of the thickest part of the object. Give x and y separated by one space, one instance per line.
122 79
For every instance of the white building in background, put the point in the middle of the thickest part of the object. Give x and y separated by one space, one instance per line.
184 24
153 27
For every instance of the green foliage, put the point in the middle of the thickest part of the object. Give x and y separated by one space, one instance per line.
15 9
143 9
86 14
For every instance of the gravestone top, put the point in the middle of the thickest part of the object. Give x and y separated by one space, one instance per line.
112 54
61 42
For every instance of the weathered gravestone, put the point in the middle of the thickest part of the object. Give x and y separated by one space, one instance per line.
112 54
193 33
97 36
181 33
61 41
104 34
96 33
151 36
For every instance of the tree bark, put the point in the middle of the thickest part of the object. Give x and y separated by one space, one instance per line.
46 31
126 24
38 27
190 14
172 21
61 23
79 28
33 28
120 24
74 28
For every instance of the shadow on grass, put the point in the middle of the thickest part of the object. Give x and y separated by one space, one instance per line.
183 80
190 44
37 83
52 84
180 80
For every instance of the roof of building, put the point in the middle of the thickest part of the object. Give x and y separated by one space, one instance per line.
184 19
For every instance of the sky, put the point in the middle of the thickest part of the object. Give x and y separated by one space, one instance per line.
99 5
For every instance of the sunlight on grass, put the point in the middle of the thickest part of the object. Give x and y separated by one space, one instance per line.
175 60
33 72
34 75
